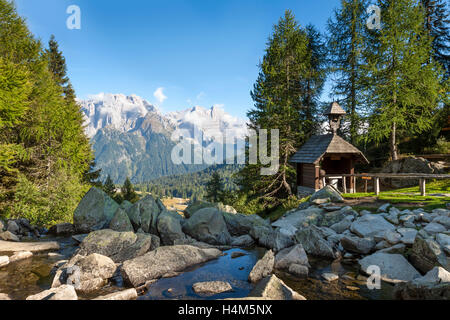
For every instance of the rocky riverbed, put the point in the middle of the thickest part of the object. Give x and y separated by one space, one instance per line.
322 250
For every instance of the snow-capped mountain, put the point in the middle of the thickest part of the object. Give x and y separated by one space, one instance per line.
132 138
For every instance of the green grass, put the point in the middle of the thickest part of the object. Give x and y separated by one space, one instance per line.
412 196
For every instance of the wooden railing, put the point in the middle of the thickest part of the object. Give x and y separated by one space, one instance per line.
377 176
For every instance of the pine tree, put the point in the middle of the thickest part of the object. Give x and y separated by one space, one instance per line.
404 86
109 187
285 95
346 43
128 192
214 188
437 24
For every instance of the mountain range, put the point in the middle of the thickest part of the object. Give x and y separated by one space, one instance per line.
133 138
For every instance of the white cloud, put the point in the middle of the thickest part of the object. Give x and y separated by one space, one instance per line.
159 95
218 105
201 95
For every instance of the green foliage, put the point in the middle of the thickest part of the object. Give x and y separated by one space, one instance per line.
128 192
43 149
286 96
109 187
214 188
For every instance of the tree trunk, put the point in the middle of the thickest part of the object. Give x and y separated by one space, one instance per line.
393 143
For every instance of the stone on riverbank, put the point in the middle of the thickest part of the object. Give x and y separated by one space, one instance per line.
274 289
242 241
4 297
144 214
263 267
164 260
208 225
435 285
169 227
129 294
62 229
120 222
4 261
427 254
22 255
358 245
64 292
94 212
293 255
9 236
119 246
327 192
87 274
394 267
211 287
313 242
370 225
11 247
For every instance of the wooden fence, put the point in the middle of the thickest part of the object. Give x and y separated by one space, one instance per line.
375 177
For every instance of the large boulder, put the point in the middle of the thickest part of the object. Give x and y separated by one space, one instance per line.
121 222
65 292
427 254
274 289
435 285
169 227
263 267
289 256
197 205
358 245
327 192
119 246
144 214
312 240
62 229
86 274
301 218
408 165
394 268
43 246
371 225
269 238
240 224
9 236
208 225
165 260
94 212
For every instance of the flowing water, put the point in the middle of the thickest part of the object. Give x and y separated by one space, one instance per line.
34 275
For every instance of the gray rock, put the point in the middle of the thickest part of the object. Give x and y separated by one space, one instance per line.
79 237
433 228
398 248
4 261
299 219
384 207
330 277
394 267
343 225
240 224
4 297
371 226
443 220
121 222
427 254
94 212
126 205
298 270
435 285
443 239
408 235
129 294
119 246
208 225
382 245
163 260
392 237
358 245
263 267
144 214
293 255
244 241
327 193
34 247
9 236
86 274
64 292
62 229
169 227
211 287
313 242
274 289
197 205
13 227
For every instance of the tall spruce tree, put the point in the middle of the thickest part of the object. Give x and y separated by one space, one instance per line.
404 88
109 187
291 75
346 43
214 188
128 192
437 24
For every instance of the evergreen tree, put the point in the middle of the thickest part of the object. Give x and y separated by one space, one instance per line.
128 192
214 188
437 24
109 187
346 43
285 96
404 88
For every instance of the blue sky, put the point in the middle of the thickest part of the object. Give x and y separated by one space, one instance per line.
201 52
